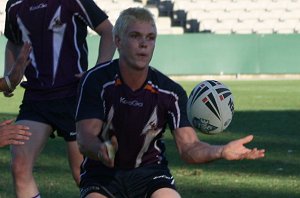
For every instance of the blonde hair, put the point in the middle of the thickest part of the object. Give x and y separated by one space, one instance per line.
130 15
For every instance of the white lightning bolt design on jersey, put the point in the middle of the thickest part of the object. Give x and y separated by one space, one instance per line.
151 131
58 29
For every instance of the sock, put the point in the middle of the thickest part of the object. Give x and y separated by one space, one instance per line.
37 196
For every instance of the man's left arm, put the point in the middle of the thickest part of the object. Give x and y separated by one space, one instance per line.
194 151
107 47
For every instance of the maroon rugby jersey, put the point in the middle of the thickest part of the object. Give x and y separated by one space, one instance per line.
137 118
57 30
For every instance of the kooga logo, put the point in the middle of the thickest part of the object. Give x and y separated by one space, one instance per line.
134 103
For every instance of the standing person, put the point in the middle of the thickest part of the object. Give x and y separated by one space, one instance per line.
57 30
9 133
130 103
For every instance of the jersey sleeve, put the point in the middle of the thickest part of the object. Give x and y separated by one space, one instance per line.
89 12
11 30
177 116
89 100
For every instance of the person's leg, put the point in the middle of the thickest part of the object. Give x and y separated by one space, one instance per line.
62 115
95 195
165 193
24 157
95 191
161 183
75 158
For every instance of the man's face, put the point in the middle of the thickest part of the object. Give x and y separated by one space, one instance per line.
137 45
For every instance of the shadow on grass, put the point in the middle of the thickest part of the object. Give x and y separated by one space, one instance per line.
275 131
233 192
278 173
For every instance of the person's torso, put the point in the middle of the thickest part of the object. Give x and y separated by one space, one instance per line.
57 30
138 118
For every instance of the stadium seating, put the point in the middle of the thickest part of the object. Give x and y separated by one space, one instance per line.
214 16
2 16
240 16
161 11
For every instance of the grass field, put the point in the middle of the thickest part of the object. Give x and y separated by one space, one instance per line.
268 109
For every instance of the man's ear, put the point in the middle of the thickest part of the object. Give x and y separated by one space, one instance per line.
117 41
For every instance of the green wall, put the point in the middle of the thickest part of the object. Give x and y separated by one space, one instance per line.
228 54
2 50
202 54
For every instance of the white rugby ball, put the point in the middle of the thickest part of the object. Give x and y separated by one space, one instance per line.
210 107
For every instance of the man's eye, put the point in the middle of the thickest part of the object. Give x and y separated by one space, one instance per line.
134 36
151 38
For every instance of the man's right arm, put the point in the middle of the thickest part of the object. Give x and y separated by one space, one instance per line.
107 47
11 53
89 143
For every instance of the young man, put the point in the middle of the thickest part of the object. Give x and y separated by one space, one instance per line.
130 103
57 30
10 133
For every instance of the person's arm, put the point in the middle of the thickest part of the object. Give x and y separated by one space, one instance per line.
11 53
3 85
13 134
89 143
192 150
14 67
16 73
107 47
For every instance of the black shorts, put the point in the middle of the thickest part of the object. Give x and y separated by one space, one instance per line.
59 114
136 183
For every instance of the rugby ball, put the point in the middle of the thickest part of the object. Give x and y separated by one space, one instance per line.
210 107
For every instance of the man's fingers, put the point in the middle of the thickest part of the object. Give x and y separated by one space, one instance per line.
255 154
16 142
17 128
247 139
114 142
79 75
6 122
25 50
13 136
8 94
103 156
18 134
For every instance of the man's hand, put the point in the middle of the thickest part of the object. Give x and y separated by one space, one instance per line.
79 75
235 150
107 151
8 94
13 134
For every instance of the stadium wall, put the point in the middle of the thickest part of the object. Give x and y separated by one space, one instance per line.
209 54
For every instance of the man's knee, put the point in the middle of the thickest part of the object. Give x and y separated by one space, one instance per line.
95 195
20 165
165 193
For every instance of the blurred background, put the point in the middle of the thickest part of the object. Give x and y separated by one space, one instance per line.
228 38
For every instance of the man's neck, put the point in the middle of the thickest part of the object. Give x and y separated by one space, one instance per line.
134 79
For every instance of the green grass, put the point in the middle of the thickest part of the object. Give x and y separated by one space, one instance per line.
268 109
